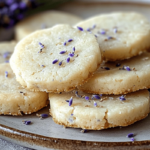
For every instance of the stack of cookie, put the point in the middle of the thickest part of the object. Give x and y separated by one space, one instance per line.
84 71
14 99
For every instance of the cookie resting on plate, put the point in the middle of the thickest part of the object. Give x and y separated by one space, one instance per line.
96 112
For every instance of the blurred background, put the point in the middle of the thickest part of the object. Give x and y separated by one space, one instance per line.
14 11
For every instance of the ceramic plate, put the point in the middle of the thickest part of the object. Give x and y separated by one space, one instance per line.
45 134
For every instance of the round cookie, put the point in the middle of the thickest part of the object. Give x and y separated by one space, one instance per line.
15 100
120 77
120 35
43 20
6 50
56 59
95 113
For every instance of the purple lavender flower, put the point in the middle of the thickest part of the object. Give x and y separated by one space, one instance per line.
68 60
130 135
27 122
94 26
109 37
127 68
95 104
55 61
14 7
70 101
44 115
70 40
42 46
9 2
73 49
115 30
96 97
122 98
88 29
102 31
132 139
71 54
86 98
60 63
22 5
6 55
65 43
81 29
6 74
6 61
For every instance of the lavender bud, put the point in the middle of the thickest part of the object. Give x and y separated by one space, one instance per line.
71 54
70 40
6 74
68 60
96 97
44 115
86 98
122 98
55 61
73 49
130 135
62 52
102 32
70 101
60 63
81 29
95 104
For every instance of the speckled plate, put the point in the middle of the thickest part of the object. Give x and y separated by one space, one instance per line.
45 134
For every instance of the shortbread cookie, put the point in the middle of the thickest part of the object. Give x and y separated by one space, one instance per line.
120 77
97 112
56 59
120 35
15 100
6 50
44 20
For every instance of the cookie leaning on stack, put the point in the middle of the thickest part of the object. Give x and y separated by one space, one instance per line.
15 100
120 77
43 20
121 35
